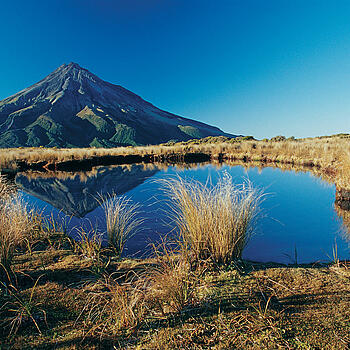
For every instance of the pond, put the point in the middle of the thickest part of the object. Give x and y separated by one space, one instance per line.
299 222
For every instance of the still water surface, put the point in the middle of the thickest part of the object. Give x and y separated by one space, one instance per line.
298 210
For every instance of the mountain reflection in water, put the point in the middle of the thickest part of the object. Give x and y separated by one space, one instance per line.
298 213
77 193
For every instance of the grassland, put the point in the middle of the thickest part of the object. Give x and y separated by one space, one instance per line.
64 294
327 156
197 294
247 306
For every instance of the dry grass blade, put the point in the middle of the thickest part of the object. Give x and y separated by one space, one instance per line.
214 221
89 244
24 310
171 282
15 226
115 308
122 221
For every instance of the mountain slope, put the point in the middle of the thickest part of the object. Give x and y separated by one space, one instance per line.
72 107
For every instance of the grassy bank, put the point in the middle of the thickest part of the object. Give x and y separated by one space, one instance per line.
251 306
194 294
327 155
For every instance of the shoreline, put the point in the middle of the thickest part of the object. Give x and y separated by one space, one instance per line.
327 157
70 294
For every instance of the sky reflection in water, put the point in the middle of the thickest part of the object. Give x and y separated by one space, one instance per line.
298 211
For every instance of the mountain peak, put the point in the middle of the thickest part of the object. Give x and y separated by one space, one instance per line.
72 107
67 69
74 65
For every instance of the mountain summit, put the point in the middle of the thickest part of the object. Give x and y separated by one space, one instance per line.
72 107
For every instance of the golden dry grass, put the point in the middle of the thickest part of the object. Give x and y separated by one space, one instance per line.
171 305
113 308
16 225
122 221
331 155
214 221
171 281
263 307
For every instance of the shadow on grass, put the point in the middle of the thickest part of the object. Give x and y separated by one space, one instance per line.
291 303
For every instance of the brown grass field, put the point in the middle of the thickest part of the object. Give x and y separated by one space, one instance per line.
57 293
247 306
328 156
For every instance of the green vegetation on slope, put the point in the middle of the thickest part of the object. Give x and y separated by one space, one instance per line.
190 131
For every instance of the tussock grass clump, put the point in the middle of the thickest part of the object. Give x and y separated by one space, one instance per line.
122 221
23 310
172 283
214 222
15 225
122 305
115 308
89 244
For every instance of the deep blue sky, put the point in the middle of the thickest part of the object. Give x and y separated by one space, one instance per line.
263 67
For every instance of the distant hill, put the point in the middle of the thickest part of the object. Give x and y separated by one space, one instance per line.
72 107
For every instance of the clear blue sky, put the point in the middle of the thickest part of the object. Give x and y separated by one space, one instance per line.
253 67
